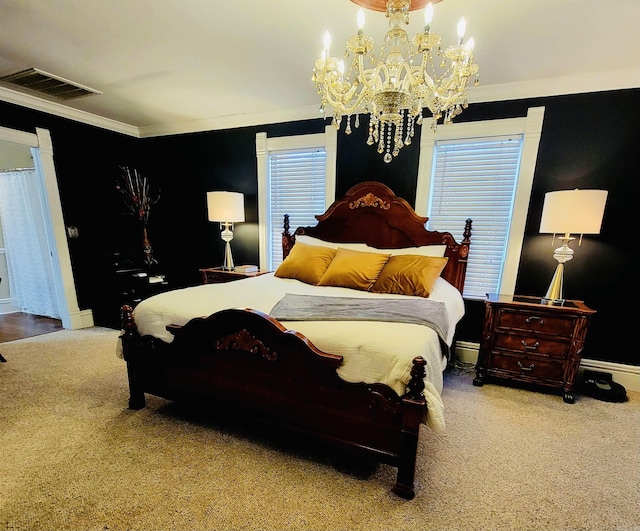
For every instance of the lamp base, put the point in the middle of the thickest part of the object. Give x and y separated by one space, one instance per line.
554 293
552 302
227 236
228 259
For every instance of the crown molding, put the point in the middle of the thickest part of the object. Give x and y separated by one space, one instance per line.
231 122
557 86
57 109
604 81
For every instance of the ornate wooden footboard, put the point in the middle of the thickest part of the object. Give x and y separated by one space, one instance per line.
247 360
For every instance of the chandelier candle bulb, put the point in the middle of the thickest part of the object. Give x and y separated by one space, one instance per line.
462 28
360 21
428 17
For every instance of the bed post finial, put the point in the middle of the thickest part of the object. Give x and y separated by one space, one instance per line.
128 324
287 239
416 384
466 235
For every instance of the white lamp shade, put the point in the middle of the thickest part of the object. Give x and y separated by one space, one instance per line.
573 211
225 206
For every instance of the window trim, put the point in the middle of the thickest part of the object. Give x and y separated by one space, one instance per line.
531 128
264 145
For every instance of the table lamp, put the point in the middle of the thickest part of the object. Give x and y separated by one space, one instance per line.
226 208
569 212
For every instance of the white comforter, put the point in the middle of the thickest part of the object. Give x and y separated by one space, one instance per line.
373 351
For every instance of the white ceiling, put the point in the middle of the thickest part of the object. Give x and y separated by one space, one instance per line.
171 66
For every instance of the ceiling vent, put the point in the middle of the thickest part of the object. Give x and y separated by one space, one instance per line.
47 84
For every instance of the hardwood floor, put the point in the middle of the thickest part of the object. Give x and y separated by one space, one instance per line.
20 325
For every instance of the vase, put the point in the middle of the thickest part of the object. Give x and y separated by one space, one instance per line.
149 259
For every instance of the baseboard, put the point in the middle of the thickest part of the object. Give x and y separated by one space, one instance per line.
80 319
626 375
467 352
7 307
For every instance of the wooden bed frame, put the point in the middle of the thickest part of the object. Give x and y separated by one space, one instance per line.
246 360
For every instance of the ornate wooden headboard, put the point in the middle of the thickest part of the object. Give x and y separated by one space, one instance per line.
371 213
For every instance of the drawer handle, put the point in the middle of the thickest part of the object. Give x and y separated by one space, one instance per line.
529 368
530 347
533 318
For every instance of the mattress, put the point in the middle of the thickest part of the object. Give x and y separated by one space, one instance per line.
373 352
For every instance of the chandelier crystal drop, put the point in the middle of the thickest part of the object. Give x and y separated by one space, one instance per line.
406 77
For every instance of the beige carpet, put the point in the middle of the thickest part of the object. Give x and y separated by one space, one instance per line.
73 457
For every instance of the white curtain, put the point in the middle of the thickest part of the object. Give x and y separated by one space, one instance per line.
28 256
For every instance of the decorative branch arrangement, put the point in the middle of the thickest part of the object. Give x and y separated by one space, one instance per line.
136 193
138 199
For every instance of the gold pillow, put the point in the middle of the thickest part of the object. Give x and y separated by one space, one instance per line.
353 269
306 263
409 275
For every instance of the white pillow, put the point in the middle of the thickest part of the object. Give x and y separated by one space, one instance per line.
310 240
425 250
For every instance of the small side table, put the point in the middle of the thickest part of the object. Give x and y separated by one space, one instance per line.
217 275
526 340
139 285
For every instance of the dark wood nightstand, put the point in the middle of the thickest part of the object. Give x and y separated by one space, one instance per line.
124 284
139 285
527 340
216 275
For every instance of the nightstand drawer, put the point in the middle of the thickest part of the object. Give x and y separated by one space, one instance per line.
522 366
542 322
532 344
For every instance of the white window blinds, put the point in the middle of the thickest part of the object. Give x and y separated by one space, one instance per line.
297 186
476 178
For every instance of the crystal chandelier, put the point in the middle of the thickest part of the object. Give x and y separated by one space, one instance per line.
395 87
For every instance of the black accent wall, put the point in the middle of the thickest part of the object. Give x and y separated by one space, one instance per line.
586 143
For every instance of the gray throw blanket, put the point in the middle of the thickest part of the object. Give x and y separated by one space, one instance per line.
426 312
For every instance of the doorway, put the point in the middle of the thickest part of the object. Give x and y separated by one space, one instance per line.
65 293
26 272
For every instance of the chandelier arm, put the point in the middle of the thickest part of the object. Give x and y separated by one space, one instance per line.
343 108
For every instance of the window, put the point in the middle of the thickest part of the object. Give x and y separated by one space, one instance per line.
296 176
296 188
483 171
